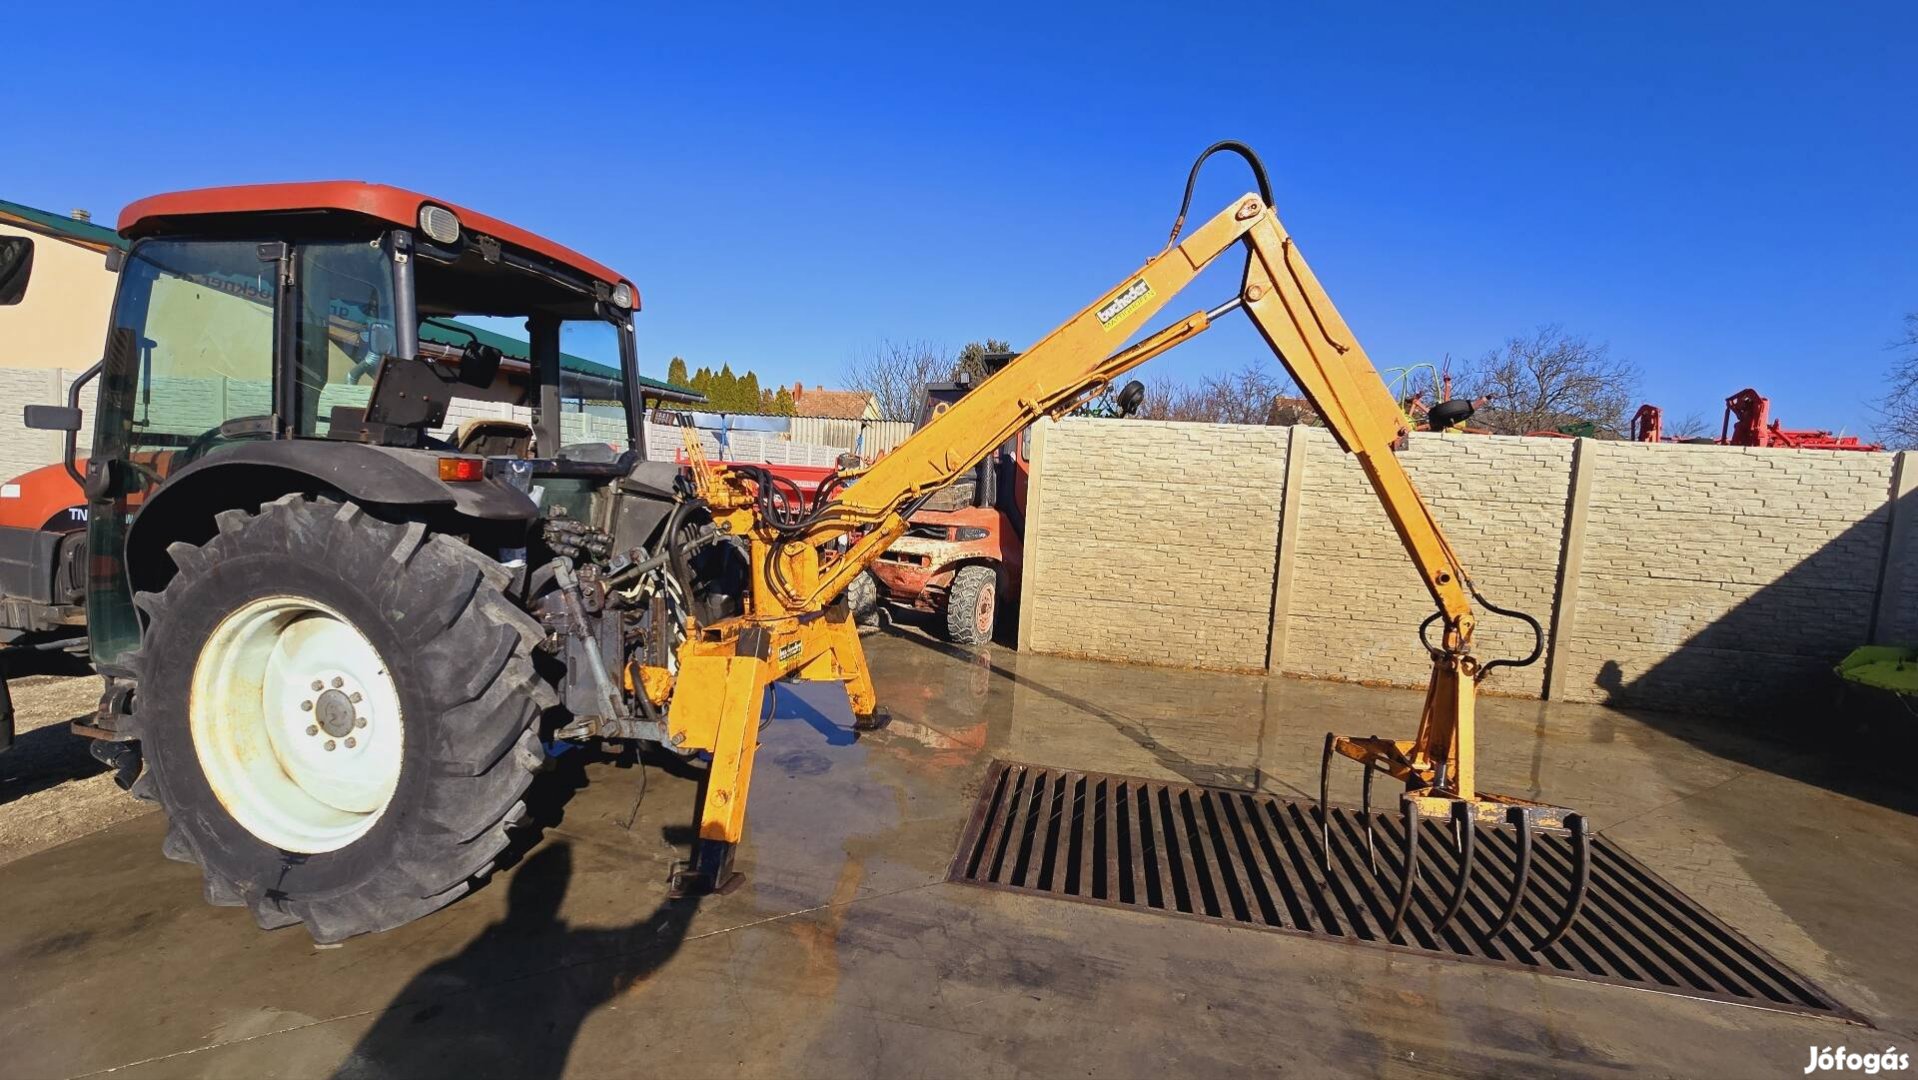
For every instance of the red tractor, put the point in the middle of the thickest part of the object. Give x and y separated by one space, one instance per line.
43 575
43 551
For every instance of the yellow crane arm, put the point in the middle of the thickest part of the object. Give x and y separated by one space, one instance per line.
803 559
1077 360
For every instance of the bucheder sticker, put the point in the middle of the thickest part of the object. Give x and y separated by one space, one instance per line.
1124 303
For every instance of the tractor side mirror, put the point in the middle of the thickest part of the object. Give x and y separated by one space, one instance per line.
52 418
478 364
67 417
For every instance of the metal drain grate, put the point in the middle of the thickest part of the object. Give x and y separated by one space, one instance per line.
1250 859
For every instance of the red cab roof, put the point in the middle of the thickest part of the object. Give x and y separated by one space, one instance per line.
391 204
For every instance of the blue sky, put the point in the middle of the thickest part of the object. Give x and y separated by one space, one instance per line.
1724 193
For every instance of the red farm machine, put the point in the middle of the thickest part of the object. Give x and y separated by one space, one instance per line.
963 552
1747 422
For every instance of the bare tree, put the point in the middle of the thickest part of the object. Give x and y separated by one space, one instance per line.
1898 409
1550 380
895 373
1692 425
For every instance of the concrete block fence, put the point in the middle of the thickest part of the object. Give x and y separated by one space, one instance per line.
1700 578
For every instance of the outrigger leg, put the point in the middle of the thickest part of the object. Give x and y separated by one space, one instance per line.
718 707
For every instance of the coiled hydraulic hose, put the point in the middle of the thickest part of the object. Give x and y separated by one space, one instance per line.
1538 632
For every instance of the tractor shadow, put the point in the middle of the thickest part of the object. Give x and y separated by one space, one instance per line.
44 758
49 754
461 1017
511 1001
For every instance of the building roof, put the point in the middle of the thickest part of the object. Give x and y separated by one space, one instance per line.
517 349
831 404
395 205
67 228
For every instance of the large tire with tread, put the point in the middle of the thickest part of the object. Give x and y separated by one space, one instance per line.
862 599
972 605
452 700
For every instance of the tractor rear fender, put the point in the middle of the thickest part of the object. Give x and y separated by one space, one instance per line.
246 475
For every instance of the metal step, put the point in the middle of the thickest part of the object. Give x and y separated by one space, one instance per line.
1251 859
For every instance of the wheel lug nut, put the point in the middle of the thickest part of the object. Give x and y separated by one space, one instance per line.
312 729
306 706
354 697
329 744
359 721
318 685
349 742
338 682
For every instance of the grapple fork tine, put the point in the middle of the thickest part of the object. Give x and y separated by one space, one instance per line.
1365 801
1325 819
1463 830
1581 877
1410 880
1520 875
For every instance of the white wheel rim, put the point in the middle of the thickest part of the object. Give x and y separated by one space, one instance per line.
297 724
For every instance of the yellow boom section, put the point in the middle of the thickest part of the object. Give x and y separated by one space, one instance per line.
802 564
1079 359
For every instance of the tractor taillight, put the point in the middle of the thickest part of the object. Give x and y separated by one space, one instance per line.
465 469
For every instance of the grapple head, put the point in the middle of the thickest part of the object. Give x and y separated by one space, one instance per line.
1492 840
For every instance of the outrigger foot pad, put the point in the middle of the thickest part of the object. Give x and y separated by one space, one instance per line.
872 721
709 872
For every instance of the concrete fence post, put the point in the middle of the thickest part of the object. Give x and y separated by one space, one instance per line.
1570 564
1035 508
1901 531
1286 557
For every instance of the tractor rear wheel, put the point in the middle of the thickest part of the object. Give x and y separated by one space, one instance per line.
972 605
339 715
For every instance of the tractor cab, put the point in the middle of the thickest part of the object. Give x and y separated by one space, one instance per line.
328 330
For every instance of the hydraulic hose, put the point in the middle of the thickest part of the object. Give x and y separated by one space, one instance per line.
1192 179
1538 632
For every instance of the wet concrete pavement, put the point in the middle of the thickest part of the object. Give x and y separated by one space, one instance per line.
844 953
